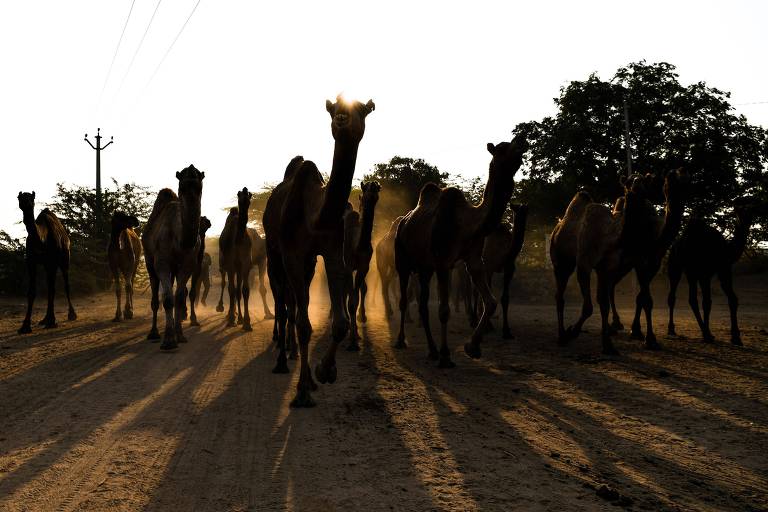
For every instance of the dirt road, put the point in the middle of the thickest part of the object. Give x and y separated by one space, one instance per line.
93 417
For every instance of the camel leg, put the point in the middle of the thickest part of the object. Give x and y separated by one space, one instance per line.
184 306
291 343
583 276
116 280
50 315
166 284
423 300
352 303
637 332
231 286
220 305
193 291
128 308
279 292
325 371
403 277
238 279
263 292
706 303
154 283
471 298
444 312
246 291
206 289
71 315
603 299
647 302
726 283
693 300
385 283
480 281
616 324
363 292
26 325
509 272
180 304
561 278
300 290
675 274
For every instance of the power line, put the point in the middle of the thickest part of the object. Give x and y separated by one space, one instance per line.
103 88
750 103
173 43
139 47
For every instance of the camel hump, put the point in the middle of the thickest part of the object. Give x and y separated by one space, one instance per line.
444 226
429 194
50 227
164 197
579 203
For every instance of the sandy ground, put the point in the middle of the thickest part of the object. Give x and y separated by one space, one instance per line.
93 417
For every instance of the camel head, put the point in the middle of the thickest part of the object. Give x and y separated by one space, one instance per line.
370 194
507 157
675 184
121 221
520 210
348 118
205 224
190 195
293 166
26 201
244 199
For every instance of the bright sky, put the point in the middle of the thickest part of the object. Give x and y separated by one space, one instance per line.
244 88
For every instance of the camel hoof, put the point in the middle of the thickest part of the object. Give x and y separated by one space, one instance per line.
610 351
446 363
571 334
247 327
169 345
239 321
127 314
325 374
401 344
362 318
433 355
203 303
194 323
507 335
73 316
219 307
293 355
708 338
116 319
281 367
636 334
153 335
652 345
303 398
617 326
25 328
736 340
473 350
353 346
269 316
51 325
231 322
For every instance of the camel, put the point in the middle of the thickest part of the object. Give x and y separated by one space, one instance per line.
613 242
444 228
700 253
500 251
171 240
259 261
358 252
124 255
385 263
48 245
235 252
205 277
231 222
303 219
197 273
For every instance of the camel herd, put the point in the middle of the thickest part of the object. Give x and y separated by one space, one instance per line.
444 235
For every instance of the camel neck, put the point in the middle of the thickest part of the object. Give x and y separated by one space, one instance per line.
739 241
242 221
673 220
518 233
495 198
190 221
29 223
366 227
339 184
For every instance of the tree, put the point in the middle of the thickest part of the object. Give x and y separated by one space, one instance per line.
672 125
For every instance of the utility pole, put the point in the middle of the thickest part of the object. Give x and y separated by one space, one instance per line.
98 147
626 138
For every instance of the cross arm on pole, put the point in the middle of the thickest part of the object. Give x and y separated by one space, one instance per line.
108 143
88 141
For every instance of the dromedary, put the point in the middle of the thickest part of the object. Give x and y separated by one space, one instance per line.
358 252
700 253
205 276
235 260
232 223
124 255
259 262
48 245
591 236
171 240
500 251
197 273
303 219
444 228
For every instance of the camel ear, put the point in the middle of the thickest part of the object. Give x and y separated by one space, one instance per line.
19 196
491 147
202 176
329 106
134 221
623 180
33 194
178 175
370 107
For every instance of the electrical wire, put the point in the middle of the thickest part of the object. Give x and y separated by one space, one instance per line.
139 46
173 43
